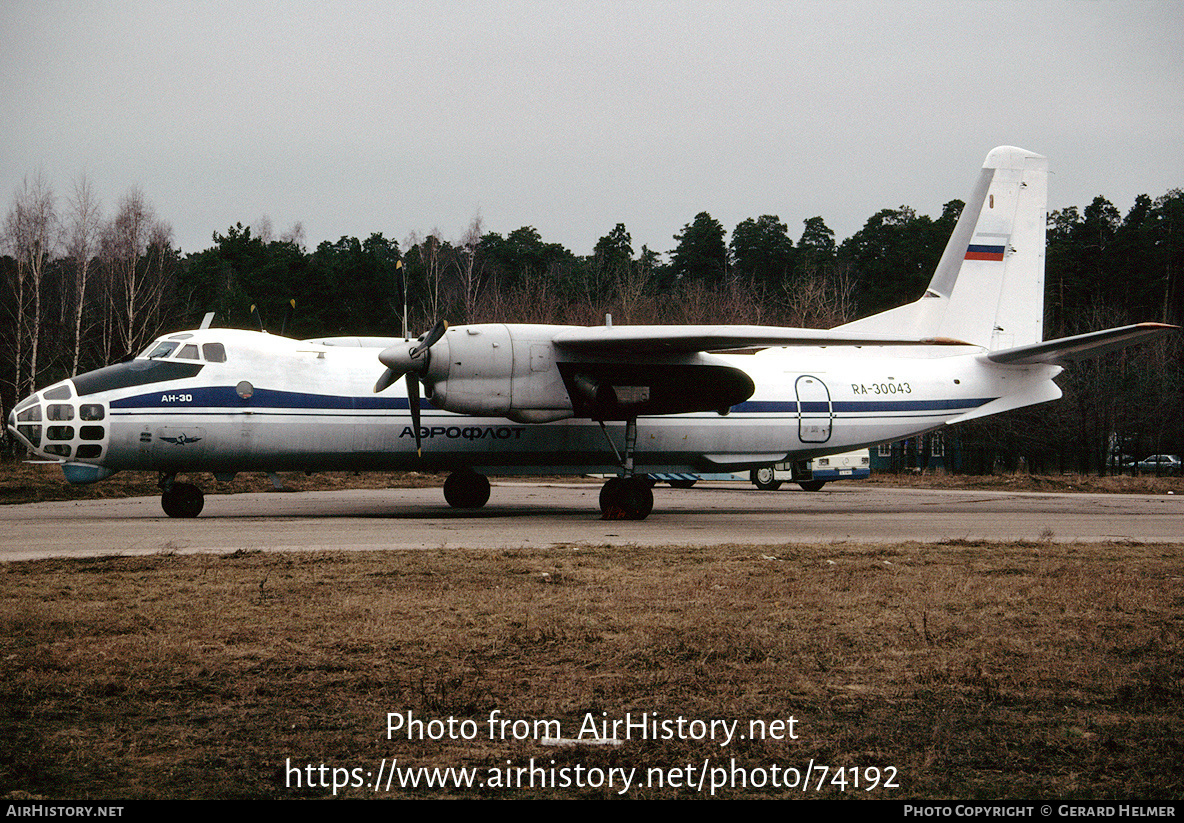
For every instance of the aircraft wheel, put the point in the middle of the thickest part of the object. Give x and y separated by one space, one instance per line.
182 500
812 485
626 498
764 479
466 489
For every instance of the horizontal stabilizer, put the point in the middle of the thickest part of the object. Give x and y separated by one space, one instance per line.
623 341
1080 347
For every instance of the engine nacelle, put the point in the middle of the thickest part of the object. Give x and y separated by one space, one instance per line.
491 369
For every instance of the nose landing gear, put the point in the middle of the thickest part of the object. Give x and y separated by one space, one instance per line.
466 489
180 499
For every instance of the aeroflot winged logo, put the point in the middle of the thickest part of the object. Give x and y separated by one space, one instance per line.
181 439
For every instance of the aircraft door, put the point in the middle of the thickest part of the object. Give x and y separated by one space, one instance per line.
814 409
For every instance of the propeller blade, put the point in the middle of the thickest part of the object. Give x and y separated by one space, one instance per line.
413 404
288 316
384 382
436 333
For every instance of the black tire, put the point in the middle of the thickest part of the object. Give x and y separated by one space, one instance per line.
183 500
812 485
639 500
610 494
764 479
466 489
626 498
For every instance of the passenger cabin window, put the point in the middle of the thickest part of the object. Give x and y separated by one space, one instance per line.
214 352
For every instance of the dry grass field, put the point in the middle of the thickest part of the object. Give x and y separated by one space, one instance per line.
956 670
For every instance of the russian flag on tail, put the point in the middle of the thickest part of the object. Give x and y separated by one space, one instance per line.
977 251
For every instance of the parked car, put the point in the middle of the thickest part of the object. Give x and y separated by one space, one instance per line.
1160 464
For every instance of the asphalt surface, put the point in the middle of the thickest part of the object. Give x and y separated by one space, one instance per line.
558 514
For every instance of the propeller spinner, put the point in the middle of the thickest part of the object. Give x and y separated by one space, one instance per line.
410 361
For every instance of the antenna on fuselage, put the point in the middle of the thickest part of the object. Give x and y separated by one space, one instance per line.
207 320
258 316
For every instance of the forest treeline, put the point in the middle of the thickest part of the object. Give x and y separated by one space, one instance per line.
85 287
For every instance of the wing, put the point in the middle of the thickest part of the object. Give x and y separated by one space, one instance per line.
624 371
1080 347
624 341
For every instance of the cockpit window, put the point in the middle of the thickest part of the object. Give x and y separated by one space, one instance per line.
214 352
171 349
162 349
61 392
133 373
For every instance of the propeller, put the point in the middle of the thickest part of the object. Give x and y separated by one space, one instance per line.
412 362
288 316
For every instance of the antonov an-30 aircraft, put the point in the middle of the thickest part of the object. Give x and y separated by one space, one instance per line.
619 400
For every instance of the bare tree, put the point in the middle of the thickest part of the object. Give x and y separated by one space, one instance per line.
83 223
819 297
31 234
137 255
470 272
294 235
429 252
264 231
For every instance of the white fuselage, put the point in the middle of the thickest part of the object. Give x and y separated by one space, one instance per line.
274 404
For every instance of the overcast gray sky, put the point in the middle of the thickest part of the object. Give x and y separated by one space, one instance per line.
395 117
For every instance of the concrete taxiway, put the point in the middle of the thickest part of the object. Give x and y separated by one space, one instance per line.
545 514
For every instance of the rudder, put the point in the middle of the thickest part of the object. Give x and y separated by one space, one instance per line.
988 288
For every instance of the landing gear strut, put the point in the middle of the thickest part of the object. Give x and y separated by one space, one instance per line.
180 499
631 496
465 489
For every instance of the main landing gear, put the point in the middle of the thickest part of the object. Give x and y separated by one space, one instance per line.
466 489
180 499
626 498
631 496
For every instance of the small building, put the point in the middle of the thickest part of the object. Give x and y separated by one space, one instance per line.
924 452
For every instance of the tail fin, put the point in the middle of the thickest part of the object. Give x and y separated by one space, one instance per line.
988 288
